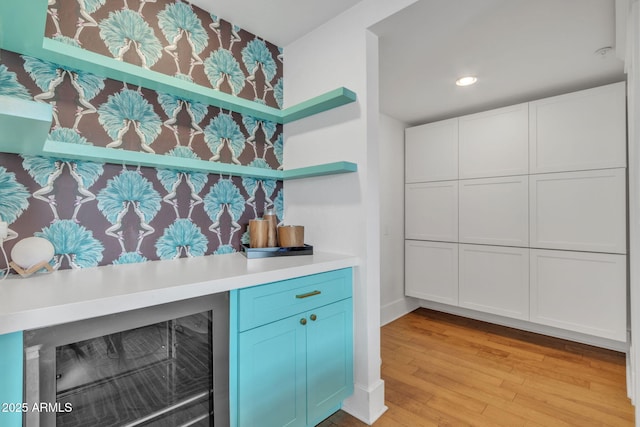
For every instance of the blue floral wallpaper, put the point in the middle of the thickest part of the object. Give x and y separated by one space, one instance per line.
99 214
174 38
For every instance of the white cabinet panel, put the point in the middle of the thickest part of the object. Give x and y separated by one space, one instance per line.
431 271
582 292
495 279
582 211
494 211
494 143
431 152
579 131
431 211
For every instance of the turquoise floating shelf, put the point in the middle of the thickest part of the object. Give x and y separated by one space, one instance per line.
82 59
111 155
126 157
327 101
25 124
319 170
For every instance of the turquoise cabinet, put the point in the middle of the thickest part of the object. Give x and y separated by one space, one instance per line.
291 350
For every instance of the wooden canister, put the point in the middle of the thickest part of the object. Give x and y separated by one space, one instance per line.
272 236
291 236
258 233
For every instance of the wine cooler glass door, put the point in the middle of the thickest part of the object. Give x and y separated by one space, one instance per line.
162 366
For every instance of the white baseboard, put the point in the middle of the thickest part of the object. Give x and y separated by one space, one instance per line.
366 404
622 347
396 309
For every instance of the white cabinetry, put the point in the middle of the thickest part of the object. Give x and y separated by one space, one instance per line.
431 152
583 292
494 211
494 279
431 211
530 224
494 143
584 211
431 271
579 131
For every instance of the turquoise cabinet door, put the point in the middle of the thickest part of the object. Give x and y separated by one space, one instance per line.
11 379
329 358
271 375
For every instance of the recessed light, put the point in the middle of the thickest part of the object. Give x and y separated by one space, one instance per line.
466 81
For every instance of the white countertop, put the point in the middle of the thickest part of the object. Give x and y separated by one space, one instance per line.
69 295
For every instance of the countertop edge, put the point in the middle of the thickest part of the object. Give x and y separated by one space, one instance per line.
72 295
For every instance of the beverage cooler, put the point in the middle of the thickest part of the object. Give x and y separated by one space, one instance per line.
166 365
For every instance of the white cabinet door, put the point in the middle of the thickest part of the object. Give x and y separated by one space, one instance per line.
431 152
579 131
494 143
584 211
431 211
582 292
431 271
494 211
494 279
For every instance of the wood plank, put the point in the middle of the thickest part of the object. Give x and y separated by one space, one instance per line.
454 396
473 388
532 415
504 418
571 398
500 370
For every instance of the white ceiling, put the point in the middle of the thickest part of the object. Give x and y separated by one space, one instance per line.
520 49
277 21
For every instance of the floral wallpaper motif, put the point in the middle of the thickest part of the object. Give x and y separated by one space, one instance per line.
99 214
173 38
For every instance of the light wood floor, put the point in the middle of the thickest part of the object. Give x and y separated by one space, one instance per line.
444 370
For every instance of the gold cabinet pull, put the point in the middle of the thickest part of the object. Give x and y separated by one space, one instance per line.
313 317
308 294
303 321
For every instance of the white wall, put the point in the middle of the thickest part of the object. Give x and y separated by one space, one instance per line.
632 68
393 303
341 212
